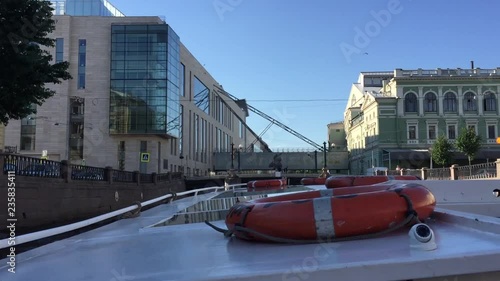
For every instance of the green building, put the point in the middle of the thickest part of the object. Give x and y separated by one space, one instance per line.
393 118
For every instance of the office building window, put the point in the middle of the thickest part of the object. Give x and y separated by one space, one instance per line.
490 102
201 95
450 102
452 132
182 77
82 61
77 122
492 131
430 102
470 103
431 132
412 132
59 50
181 129
411 103
241 129
28 132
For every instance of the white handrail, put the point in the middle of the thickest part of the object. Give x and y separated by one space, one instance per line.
70 227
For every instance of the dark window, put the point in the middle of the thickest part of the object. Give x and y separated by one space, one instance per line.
432 132
451 132
412 132
492 134
430 102
201 95
470 103
81 81
59 50
82 61
182 80
490 102
28 132
450 102
411 104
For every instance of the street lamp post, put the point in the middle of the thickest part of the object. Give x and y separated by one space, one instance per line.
240 147
181 156
232 156
324 154
315 161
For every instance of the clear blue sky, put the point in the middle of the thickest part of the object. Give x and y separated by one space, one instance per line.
269 51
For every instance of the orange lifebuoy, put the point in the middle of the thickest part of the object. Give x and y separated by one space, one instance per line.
319 215
266 184
313 181
344 181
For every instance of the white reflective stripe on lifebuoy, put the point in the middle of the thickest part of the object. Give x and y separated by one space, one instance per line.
323 217
326 192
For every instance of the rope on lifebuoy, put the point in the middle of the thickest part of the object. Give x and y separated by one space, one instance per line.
410 217
227 232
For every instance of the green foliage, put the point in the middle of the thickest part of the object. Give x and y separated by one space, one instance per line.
468 143
26 64
442 151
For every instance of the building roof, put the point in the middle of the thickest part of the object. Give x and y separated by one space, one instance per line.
94 8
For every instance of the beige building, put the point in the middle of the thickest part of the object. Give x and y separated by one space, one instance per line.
138 100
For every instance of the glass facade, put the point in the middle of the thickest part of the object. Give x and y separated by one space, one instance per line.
145 80
201 95
85 8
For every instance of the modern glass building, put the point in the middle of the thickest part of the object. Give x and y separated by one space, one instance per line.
145 79
85 8
136 90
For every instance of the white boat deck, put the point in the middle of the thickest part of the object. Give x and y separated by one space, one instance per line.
129 250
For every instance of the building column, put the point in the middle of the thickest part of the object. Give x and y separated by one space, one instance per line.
440 100
420 101
460 101
498 101
479 100
400 102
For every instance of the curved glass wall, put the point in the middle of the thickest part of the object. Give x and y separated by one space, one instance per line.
144 96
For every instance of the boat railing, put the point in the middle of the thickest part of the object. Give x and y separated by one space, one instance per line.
42 234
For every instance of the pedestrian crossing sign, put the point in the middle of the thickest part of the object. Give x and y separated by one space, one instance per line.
144 157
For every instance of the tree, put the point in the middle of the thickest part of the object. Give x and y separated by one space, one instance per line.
468 143
26 64
442 151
